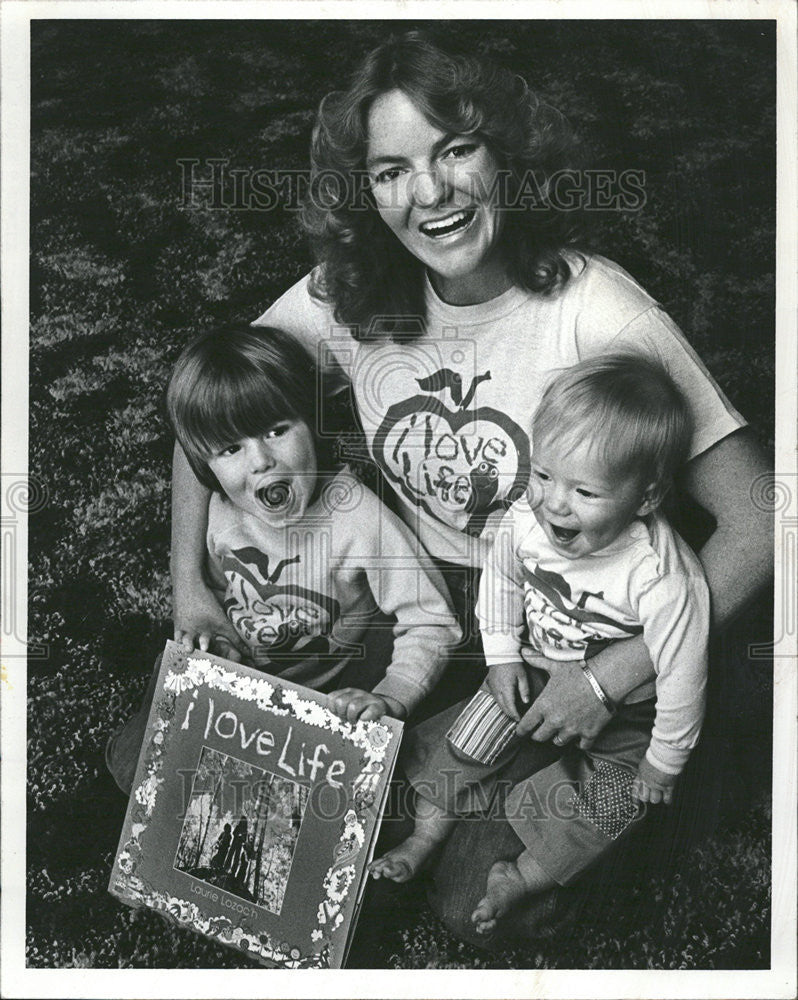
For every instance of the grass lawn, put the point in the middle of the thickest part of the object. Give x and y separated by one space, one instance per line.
124 271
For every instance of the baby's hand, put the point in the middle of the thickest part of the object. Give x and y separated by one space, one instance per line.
200 623
352 704
505 680
652 785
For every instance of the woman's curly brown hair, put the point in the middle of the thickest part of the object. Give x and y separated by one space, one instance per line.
365 271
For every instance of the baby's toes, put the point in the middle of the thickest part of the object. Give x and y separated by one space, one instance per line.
484 916
399 870
379 868
388 867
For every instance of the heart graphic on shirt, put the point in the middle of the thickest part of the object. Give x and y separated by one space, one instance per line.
458 465
284 623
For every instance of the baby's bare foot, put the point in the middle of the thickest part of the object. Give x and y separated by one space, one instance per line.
506 886
404 861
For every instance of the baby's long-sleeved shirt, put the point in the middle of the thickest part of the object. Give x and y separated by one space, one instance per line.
302 595
646 581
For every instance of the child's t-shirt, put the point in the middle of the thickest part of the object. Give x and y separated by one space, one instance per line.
302 595
646 581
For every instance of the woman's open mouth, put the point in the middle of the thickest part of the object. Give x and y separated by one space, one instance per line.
454 223
563 535
277 496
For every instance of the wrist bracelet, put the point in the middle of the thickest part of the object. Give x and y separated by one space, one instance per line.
599 691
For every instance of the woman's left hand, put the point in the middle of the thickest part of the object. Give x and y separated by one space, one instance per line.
566 708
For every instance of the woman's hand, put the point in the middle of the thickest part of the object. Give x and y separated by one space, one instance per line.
200 623
566 708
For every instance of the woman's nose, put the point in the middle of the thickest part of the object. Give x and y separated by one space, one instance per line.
428 187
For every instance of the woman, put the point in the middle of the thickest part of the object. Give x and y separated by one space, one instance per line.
448 291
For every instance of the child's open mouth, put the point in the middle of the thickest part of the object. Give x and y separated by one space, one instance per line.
276 496
564 535
453 223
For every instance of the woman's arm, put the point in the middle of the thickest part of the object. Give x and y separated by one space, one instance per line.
198 618
737 561
738 558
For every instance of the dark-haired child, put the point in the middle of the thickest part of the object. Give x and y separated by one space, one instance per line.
582 561
302 556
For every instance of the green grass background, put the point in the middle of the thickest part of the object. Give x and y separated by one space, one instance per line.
122 273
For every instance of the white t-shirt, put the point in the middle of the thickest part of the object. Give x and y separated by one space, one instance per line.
647 580
448 416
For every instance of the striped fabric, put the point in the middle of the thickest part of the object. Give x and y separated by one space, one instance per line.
482 730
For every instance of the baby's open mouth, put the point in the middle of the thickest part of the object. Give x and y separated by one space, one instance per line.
276 496
451 224
564 535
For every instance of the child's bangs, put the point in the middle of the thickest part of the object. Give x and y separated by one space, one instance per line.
622 446
614 441
562 422
625 445
235 406
565 437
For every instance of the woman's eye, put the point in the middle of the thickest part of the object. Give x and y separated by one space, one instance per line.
587 493
387 175
278 430
231 449
460 151
540 475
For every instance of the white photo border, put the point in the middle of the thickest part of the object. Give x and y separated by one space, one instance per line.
19 981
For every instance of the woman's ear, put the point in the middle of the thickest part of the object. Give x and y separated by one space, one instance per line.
652 498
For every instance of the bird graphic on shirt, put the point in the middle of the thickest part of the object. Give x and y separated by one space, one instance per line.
445 378
473 387
248 555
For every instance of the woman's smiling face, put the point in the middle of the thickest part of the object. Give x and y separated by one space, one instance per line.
438 193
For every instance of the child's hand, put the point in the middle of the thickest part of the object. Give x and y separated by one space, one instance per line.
200 623
352 704
652 785
505 680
